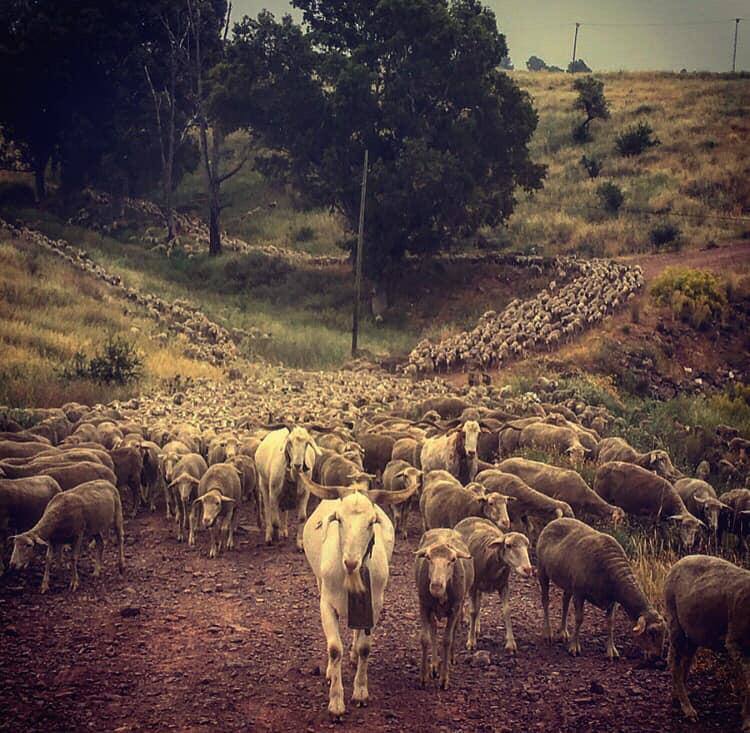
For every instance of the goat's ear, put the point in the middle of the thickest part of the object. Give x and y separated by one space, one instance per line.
640 626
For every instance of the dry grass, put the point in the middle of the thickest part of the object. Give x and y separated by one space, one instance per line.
651 562
48 312
701 168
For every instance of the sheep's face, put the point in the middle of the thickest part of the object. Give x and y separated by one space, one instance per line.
471 432
231 446
23 551
576 454
495 508
169 461
661 464
516 553
711 511
564 510
213 503
185 490
689 528
650 631
441 562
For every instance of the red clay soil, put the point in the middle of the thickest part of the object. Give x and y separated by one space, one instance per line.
235 644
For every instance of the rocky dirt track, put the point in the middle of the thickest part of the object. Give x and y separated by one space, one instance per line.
185 643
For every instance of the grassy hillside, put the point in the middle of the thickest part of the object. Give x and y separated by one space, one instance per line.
48 312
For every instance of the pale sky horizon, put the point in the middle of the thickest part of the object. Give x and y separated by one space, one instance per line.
664 35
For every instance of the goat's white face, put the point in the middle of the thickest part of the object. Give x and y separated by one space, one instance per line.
357 518
296 449
471 432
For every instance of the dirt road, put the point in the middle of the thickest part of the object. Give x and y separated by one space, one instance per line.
235 644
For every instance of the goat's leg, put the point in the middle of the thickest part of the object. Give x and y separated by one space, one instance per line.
330 624
360 695
302 498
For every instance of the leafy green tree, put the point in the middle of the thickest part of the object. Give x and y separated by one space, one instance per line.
591 102
579 66
417 84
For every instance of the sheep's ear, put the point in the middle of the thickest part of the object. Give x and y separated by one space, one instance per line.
674 518
640 626
196 501
461 554
227 500
559 513
39 541
497 542
653 458
423 551
700 499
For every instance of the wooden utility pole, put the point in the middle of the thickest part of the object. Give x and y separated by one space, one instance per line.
575 43
734 53
358 277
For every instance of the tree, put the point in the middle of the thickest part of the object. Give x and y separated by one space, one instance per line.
417 84
506 63
591 102
536 64
209 25
578 66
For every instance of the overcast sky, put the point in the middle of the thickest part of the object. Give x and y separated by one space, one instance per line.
634 34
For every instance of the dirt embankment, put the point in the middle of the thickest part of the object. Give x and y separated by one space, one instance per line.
236 644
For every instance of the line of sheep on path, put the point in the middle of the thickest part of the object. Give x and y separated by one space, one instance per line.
582 294
208 340
483 512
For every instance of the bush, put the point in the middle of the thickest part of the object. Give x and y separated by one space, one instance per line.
581 134
695 296
304 234
611 197
118 362
635 140
664 234
592 165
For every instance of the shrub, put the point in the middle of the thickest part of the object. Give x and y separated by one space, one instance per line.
592 102
635 140
118 362
592 165
581 134
610 197
666 234
695 296
304 234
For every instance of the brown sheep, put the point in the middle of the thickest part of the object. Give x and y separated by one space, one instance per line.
398 476
495 555
554 439
22 503
589 565
16 449
378 450
70 475
529 503
658 461
218 499
445 504
409 450
564 485
708 605
738 501
89 510
642 493
128 461
184 487
444 573
700 499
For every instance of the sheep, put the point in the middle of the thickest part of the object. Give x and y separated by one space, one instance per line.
409 450
444 574
563 485
16 449
221 448
642 493
455 452
529 503
553 439
738 501
447 407
89 510
70 475
151 477
219 496
23 467
589 565
110 436
183 487
378 450
22 503
400 475
444 504
347 534
658 461
495 554
700 500
336 470
282 457
128 461
707 601
248 446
